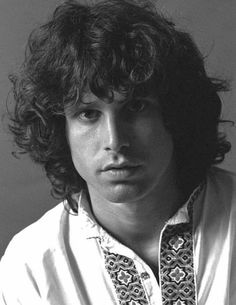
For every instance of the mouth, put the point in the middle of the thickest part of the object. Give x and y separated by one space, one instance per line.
120 166
120 171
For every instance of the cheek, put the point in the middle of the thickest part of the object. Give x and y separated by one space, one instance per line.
157 150
162 145
154 136
83 148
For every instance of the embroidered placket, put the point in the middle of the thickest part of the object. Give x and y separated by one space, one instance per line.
177 277
125 278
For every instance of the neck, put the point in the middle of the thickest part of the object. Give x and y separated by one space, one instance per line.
138 223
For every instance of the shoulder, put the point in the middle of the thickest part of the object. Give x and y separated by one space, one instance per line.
222 177
39 237
221 185
220 221
24 259
217 204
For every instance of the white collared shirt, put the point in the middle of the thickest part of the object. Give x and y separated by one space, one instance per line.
66 259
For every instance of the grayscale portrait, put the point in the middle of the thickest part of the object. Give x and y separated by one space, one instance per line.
118 144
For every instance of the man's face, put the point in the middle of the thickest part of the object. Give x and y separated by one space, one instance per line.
121 149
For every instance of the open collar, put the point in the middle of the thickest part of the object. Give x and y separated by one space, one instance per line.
92 229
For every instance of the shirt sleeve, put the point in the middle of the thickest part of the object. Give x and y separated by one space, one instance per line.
17 283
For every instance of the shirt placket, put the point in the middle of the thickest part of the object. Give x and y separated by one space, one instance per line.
149 282
176 272
133 279
130 275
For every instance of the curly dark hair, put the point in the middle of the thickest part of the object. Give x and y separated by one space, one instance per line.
114 45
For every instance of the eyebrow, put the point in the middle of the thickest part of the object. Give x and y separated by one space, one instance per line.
86 101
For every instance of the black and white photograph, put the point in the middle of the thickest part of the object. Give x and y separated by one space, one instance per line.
118 152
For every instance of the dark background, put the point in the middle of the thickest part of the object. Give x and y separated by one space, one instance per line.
24 192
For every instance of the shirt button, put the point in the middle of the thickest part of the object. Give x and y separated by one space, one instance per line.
145 275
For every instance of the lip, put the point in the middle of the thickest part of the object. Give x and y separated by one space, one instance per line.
122 171
120 166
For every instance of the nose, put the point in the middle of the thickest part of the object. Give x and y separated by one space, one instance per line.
115 134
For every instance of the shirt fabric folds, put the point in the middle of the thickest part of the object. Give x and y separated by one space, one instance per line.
65 258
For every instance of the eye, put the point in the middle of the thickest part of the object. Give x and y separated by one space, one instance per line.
137 105
89 115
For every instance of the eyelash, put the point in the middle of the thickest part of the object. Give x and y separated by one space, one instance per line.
132 107
86 112
138 102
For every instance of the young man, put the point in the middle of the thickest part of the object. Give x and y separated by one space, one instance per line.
115 103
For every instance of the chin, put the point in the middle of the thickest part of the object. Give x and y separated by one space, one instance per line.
122 193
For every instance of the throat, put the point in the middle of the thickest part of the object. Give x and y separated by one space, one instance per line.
148 251
132 223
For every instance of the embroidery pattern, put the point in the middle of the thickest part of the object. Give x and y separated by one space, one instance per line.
176 261
176 267
125 278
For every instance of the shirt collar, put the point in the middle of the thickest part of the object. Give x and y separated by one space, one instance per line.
87 223
91 229
184 214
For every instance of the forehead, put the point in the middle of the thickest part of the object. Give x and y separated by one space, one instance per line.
120 95
115 96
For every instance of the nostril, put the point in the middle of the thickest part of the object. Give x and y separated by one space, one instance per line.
116 148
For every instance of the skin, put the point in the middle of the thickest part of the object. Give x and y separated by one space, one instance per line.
132 205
